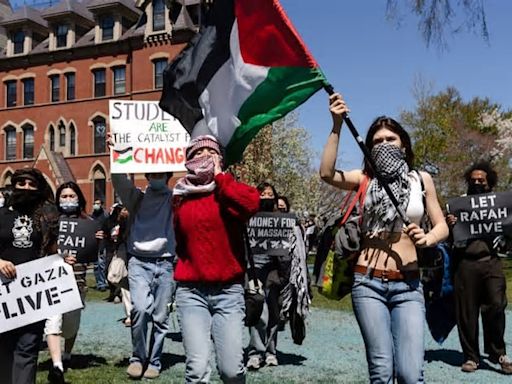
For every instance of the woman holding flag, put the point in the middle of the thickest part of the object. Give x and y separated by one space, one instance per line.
210 212
387 295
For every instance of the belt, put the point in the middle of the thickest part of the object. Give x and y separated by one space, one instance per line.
387 275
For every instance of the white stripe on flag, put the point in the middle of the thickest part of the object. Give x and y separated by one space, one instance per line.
228 89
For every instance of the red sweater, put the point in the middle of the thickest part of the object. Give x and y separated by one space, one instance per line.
209 228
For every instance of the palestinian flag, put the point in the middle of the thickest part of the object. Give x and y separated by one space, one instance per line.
246 68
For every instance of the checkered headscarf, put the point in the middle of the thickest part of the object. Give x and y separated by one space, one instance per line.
379 212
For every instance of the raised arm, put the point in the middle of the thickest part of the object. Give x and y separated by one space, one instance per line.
340 179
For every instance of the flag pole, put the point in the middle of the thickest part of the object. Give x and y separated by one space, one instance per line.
367 155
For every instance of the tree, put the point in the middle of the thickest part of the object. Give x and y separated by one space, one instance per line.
281 154
449 135
437 18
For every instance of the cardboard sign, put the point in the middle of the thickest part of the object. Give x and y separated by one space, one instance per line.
77 237
483 216
146 139
42 288
269 233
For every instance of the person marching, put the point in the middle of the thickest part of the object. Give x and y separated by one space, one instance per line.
387 295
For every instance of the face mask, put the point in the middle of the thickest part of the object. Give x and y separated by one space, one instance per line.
266 205
96 207
2 201
476 189
25 199
69 206
389 160
157 184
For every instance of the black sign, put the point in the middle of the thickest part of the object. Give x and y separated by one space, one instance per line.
483 216
77 237
269 233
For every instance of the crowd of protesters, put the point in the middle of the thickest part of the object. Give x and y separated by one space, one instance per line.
187 245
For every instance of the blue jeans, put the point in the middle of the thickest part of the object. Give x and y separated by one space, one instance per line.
215 312
99 270
151 288
391 318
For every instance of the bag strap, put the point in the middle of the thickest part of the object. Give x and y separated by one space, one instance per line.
359 197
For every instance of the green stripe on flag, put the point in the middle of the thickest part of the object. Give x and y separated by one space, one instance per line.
124 160
283 90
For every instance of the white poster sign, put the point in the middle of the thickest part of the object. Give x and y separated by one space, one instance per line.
42 288
146 139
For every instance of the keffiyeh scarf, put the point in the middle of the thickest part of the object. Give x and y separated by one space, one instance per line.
199 178
380 215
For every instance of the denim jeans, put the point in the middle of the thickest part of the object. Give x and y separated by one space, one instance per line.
99 270
207 312
391 319
151 287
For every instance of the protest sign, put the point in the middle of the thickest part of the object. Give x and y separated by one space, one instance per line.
483 216
77 237
146 139
269 233
42 288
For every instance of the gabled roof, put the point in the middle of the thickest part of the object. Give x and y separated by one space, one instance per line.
23 15
66 7
128 4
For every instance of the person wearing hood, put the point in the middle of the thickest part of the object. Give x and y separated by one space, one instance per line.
71 203
28 231
150 248
211 211
480 285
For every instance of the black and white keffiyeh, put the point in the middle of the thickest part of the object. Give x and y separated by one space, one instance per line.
379 212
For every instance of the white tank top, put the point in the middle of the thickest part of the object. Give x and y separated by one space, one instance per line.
415 209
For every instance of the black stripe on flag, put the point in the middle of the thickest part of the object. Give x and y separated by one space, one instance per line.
188 75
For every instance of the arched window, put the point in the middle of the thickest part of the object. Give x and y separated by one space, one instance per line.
51 137
10 143
28 141
158 15
7 178
100 131
100 183
62 134
72 139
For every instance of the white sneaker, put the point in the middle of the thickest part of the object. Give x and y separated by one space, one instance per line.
271 361
254 362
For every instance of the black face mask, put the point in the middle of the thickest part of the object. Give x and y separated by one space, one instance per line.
267 205
476 189
25 199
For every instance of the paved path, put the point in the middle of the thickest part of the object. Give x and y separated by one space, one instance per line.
333 351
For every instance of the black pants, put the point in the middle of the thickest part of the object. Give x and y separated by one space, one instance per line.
480 286
19 349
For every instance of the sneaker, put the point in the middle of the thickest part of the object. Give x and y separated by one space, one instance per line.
151 373
469 366
271 361
254 362
56 376
506 365
134 370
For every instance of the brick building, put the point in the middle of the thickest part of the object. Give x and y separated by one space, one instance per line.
59 67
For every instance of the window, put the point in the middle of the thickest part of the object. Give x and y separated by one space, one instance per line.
51 136
61 33
107 27
28 141
62 135
72 140
10 143
55 88
100 129
28 91
99 82
10 87
158 15
159 66
119 80
18 39
100 185
70 86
